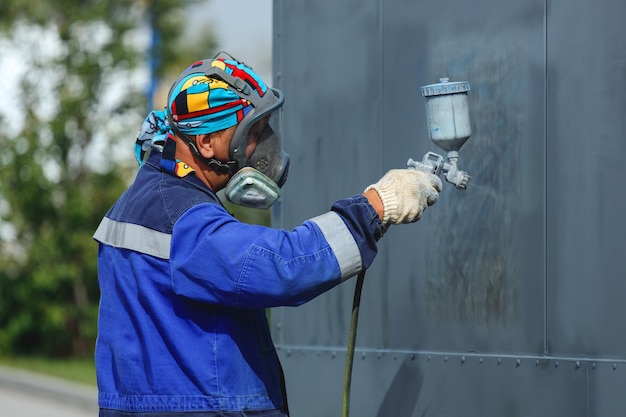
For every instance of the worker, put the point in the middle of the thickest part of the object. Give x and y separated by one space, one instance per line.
184 284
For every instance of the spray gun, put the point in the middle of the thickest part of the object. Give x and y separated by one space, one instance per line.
447 117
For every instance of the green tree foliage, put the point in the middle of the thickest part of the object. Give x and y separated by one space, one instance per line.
79 100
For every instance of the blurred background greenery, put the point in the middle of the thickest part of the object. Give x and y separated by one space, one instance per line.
87 74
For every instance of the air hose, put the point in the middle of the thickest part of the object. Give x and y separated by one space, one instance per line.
347 377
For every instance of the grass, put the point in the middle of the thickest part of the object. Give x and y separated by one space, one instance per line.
76 370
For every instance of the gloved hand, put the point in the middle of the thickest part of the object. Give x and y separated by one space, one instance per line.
405 193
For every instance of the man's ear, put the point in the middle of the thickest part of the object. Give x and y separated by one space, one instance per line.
205 145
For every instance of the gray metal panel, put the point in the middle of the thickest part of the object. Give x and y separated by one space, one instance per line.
586 193
528 261
606 389
435 384
453 279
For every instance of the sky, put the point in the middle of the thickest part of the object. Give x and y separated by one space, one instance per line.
243 29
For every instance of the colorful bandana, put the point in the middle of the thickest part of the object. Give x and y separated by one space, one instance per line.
156 135
202 105
199 105
152 135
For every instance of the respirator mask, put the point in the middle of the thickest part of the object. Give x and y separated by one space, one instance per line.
257 148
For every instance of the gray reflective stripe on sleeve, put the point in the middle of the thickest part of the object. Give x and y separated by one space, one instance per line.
341 242
134 237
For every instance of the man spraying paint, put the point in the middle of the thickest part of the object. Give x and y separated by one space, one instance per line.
184 285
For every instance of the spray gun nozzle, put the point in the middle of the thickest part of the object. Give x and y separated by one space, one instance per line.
457 177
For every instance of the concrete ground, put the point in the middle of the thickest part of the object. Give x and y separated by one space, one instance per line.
28 394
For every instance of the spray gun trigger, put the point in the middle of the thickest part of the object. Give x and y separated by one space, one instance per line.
431 163
434 160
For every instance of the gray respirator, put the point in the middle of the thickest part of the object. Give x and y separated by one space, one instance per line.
257 148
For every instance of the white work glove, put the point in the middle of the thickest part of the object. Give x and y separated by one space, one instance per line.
405 193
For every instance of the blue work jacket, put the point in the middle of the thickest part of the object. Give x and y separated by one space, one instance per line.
184 288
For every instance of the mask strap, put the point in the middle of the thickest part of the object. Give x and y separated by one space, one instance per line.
230 167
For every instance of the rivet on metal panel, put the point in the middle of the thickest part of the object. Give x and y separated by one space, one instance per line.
518 362
499 361
363 356
333 354
480 360
380 355
289 352
395 357
577 364
593 365
429 358
412 356
537 362
445 359
556 364
614 366
462 359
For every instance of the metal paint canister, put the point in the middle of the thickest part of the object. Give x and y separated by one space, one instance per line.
447 113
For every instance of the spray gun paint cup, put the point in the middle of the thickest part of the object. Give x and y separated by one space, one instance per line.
447 113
